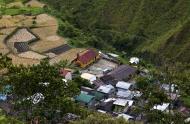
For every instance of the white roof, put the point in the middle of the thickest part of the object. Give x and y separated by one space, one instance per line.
130 102
123 102
101 111
124 94
187 120
64 80
162 107
44 83
88 76
123 85
88 88
134 60
105 88
137 93
113 55
109 99
125 116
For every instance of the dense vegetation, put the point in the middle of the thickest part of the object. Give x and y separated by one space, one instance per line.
7 120
142 27
157 31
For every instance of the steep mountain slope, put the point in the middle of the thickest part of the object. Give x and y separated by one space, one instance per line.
145 27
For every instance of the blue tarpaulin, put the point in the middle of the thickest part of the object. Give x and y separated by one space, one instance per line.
3 97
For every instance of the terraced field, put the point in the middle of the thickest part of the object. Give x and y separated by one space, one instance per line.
31 27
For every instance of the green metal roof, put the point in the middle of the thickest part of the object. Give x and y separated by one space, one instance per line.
98 95
84 98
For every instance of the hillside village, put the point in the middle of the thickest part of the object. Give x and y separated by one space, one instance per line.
113 86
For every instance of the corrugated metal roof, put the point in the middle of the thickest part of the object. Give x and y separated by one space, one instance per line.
88 76
123 85
122 72
84 98
87 56
60 49
21 46
105 88
123 102
125 116
162 107
125 94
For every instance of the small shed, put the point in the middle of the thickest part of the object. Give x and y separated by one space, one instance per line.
85 99
121 85
89 77
126 117
107 89
113 55
125 94
121 104
66 73
162 107
134 60
101 111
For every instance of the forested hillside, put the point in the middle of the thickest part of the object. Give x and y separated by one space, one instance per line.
145 27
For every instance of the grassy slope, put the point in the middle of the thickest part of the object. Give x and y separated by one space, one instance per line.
160 20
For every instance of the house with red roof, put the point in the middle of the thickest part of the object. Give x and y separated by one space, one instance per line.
66 73
87 57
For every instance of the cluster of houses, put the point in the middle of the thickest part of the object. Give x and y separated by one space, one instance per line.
113 92
113 95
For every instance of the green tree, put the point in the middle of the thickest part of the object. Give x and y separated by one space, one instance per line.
27 81
82 82
4 61
158 117
142 83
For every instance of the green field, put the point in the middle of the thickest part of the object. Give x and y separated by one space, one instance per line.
4 10
24 10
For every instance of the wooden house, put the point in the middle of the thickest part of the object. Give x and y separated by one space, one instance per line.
86 58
